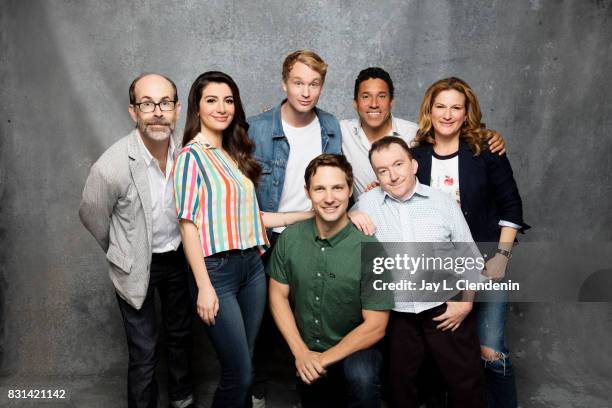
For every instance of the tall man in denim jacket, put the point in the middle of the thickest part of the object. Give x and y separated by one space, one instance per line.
287 138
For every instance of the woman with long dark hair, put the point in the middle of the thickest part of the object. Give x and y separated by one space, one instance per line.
222 229
451 150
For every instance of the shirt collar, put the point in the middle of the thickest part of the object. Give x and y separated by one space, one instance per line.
148 157
419 190
357 128
360 133
394 131
334 240
201 140
277 122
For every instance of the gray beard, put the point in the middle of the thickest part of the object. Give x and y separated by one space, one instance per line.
157 136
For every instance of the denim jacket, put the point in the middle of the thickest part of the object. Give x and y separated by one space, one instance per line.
272 151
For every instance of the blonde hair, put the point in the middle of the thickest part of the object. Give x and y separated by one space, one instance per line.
309 58
473 131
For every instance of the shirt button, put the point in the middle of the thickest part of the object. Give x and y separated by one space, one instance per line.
322 249
316 298
318 274
317 321
318 341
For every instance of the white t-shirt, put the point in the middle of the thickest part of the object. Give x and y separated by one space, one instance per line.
304 145
445 174
445 177
356 146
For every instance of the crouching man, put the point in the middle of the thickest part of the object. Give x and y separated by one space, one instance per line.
320 300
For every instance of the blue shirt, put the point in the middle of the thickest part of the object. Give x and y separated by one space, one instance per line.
428 215
272 151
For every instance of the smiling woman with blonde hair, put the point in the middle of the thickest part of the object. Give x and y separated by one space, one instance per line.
452 154
472 131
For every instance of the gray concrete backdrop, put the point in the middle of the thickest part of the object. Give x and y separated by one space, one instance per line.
541 70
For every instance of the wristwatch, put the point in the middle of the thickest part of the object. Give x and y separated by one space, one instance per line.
505 253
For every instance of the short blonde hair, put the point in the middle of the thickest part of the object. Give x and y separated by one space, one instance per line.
309 58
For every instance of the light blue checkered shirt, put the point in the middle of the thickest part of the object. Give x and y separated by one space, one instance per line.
428 215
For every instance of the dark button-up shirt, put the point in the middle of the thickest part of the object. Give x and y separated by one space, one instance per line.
328 288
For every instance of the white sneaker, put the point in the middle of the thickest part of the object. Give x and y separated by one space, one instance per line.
258 402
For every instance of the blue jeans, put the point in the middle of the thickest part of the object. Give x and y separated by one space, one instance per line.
353 382
238 278
499 374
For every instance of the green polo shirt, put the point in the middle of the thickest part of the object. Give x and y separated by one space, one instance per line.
327 287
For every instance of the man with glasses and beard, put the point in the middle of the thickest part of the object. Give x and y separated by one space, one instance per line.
128 206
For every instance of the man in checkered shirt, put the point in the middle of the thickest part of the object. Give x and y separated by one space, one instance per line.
404 210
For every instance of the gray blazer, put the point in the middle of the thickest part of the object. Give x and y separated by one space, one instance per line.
116 209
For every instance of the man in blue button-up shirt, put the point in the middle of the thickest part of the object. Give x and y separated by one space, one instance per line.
406 211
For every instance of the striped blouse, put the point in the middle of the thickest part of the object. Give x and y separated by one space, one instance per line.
213 193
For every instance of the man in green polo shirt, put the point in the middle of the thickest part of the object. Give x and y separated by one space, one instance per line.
322 302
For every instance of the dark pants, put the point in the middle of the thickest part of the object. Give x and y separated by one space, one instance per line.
269 340
169 276
457 355
353 382
238 279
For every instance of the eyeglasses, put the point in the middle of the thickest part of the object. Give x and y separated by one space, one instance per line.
148 107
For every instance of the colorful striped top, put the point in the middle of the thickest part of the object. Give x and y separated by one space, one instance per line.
213 193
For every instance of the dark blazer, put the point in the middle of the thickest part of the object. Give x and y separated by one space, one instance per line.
487 188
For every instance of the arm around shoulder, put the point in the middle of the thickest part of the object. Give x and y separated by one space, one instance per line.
273 220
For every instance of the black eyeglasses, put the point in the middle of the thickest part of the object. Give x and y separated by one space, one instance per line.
148 107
